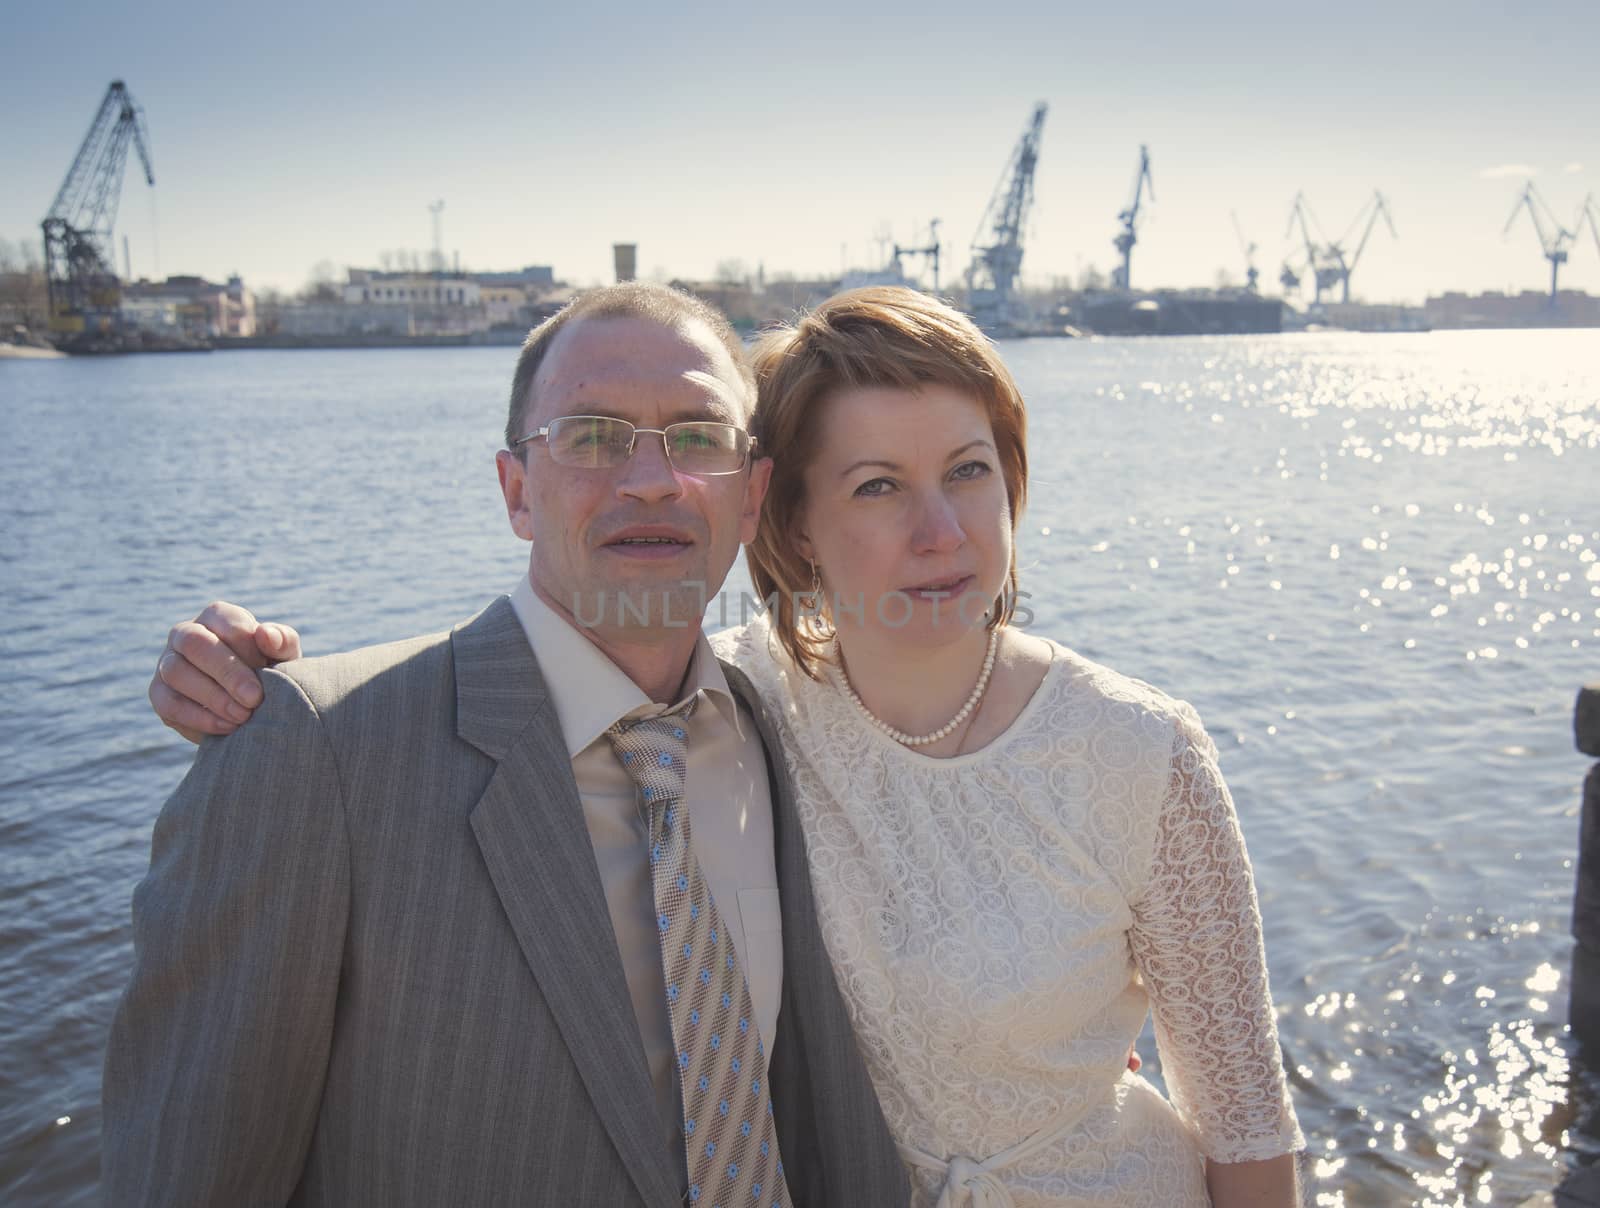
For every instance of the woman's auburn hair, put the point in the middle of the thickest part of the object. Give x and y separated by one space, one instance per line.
881 336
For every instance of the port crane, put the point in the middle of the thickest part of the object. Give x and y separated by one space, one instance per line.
79 255
1122 276
1325 273
1553 237
1251 273
992 275
930 252
1338 262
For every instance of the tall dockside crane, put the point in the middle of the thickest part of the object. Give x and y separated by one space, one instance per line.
1129 218
1553 237
1325 273
1337 260
995 265
1251 273
79 255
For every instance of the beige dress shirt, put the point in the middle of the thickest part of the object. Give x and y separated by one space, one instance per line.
730 808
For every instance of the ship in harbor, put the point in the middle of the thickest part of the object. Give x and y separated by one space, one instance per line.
1173 312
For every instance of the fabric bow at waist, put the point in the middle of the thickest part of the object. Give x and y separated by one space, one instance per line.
969 1183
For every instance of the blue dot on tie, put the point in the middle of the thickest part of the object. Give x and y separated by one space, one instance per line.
755 1089
726 1000
683 883
764 1145
744 1026
723 1107
755 1192
683 1061
677 733
663 922
744 1129
716 1041
705 975
687 949
649 794
694 1017
694 1193
730 962
705 1083
666 760
627 757
672 993
711 1148
734 1065
694 911
733 1170
688 1128
713 935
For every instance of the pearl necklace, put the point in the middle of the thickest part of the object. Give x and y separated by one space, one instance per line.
922 740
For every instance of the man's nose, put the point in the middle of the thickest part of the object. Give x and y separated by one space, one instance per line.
648 475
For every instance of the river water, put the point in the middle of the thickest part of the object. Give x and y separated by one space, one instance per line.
1370 561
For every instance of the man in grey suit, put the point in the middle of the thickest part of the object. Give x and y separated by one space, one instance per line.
398 943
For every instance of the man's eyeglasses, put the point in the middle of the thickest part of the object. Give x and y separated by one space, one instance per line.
599 442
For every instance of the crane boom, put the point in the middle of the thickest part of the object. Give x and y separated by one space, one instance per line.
1129 218
995 266
1346 266
1586 213
1252 275
1552 242
79 255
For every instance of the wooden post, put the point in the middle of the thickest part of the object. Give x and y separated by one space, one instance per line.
1584 1011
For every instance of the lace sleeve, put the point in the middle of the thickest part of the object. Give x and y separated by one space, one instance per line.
1197 941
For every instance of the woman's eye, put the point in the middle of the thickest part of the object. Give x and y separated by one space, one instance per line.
970 469
874 487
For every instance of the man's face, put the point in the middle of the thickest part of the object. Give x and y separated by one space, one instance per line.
632 552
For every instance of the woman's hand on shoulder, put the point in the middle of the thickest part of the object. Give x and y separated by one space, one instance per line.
205 680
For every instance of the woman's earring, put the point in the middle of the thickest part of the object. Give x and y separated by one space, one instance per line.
819 623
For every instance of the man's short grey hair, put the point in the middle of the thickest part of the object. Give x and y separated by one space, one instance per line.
630 300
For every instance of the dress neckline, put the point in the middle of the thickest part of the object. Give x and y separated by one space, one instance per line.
831 687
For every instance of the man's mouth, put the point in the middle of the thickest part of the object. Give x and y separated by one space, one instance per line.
660 543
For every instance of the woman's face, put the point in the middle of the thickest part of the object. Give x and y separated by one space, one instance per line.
906 513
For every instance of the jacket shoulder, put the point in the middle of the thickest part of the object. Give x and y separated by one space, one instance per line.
328 680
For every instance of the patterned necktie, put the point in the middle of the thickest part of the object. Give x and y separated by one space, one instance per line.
729 1134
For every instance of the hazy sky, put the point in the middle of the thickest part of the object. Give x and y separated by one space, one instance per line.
791 134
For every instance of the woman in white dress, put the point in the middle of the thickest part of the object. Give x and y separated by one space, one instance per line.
1017 853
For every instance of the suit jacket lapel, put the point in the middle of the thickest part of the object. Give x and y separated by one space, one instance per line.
530 828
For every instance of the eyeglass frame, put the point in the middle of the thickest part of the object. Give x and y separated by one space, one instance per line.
746 457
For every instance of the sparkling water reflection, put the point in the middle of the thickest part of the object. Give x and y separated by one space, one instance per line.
1371 562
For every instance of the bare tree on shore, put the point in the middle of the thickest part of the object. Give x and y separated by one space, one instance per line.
24 297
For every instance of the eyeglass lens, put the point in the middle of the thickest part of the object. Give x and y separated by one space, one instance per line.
598 442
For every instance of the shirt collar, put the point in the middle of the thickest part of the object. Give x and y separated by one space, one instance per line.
590 692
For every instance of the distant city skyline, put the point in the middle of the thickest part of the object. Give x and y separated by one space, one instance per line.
794 138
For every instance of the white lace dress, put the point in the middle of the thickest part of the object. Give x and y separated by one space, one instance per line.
1002 921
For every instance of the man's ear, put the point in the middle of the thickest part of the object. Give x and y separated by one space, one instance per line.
514 486
755 490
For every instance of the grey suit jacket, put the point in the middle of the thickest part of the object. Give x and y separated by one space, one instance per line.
374 965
